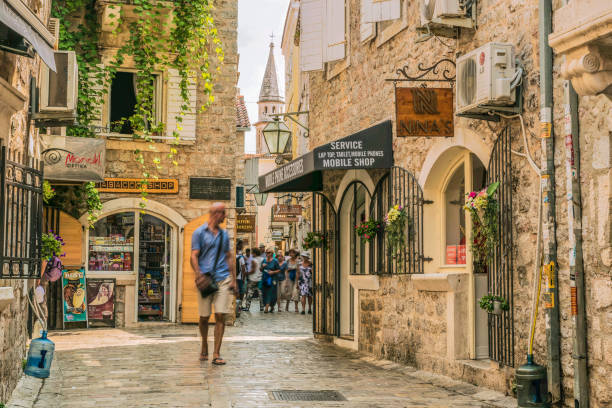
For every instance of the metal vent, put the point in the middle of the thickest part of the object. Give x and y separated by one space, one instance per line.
296 395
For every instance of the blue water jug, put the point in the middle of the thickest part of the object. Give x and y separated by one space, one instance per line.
40 356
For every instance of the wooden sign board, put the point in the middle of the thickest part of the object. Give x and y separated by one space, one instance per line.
424 112
245 223
285 209
128 185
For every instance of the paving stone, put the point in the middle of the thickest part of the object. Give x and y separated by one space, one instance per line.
157 366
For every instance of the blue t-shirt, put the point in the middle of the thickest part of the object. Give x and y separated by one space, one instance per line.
206 242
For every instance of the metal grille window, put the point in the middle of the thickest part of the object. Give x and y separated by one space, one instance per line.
500 282
21 206
325 264
398 187
353 212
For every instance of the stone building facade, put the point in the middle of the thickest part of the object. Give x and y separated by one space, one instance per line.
15 74
210 154
432 319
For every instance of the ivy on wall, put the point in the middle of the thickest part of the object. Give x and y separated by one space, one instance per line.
188 41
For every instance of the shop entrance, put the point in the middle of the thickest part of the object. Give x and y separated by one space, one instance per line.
154 270
352 253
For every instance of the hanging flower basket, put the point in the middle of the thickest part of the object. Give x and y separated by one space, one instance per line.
396 221
368 230
314 240
493 304
484 209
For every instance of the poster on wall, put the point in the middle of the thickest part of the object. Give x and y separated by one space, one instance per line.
73 295
101 302
69 158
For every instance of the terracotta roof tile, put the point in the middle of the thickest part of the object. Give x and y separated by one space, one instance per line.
242 115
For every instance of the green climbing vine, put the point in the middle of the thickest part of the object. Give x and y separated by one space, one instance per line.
187 42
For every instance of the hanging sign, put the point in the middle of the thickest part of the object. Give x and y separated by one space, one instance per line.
286 213
208 188
245 223
73 295
424 112
69 158
101 302
129 185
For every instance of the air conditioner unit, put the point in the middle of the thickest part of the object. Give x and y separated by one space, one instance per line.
484 79
59 90
436 9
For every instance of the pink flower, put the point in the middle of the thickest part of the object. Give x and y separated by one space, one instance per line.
482 193
472 194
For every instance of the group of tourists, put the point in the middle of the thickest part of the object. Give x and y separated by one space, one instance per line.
275 277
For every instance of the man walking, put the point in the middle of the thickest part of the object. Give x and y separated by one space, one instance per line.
210 254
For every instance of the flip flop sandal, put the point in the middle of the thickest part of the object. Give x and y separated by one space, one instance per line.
218 361
203 357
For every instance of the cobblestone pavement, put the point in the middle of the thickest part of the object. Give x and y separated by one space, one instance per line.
157 366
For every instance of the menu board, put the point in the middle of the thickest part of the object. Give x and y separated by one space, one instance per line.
73 295
207 188
101 302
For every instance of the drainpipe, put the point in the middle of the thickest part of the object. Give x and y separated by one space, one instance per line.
551 292
574 215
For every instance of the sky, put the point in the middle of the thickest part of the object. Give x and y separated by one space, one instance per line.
257 20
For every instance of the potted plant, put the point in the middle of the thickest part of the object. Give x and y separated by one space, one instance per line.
368 230
314 240
493 304
50 251
483 208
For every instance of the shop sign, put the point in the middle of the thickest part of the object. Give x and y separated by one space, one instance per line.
245 223
101 302
286 213
424 112
74 296
369 149
73 158
129 185
277 235
208 188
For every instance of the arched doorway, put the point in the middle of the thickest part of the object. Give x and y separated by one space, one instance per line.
353 254
141 252
456 172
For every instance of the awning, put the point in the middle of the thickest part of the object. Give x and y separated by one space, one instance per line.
371 148
18 17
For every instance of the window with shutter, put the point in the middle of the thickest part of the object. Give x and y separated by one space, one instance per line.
389 28
367 30
312 14
187 126
335 30
380 10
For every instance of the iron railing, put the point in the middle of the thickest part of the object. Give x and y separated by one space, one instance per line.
354 196
499 281
325 267
21 205
51 222
398 187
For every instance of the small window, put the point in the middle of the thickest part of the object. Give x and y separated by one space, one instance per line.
123 94
454 198
266 110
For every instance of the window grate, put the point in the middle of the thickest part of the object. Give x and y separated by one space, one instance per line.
398 187
499 278
301 395
21 216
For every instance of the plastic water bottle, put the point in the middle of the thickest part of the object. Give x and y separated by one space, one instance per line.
40 356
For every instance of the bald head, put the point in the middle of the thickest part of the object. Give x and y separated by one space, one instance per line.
216 214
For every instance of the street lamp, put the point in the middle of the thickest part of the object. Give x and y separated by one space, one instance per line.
260 198
276 134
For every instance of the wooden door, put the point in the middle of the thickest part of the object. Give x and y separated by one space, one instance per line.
190 293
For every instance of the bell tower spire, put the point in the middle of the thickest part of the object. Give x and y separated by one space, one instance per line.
270 100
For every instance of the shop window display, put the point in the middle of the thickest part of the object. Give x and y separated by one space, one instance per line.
111 244
153 273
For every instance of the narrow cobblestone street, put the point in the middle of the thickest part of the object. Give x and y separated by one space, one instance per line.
157 366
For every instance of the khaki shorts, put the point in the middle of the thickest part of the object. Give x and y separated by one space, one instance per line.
221 299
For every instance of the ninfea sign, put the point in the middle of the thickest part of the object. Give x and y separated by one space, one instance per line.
367 149
73 159
424 112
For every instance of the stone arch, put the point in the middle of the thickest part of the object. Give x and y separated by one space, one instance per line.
133 203
350 176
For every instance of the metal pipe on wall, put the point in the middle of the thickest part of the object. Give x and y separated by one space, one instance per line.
551 291
574 215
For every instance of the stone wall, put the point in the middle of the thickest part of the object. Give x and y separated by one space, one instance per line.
16 71
359 97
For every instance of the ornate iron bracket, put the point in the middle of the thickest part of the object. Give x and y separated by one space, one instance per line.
448 74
